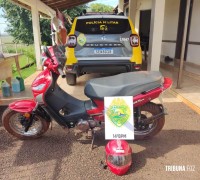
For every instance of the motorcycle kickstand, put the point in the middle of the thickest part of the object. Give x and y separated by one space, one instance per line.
93 137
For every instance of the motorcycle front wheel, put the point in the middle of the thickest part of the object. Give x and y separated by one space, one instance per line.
147 131
12 122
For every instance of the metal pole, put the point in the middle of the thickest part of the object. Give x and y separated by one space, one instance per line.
180 72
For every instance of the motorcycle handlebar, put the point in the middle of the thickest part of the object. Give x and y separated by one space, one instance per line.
61 72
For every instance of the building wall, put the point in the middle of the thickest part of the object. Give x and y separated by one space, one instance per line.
126 10
193 54
141 5
170 27
120 6
170 23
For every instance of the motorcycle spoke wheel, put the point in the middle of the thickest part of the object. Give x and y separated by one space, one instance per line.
142 131
16 126
11 122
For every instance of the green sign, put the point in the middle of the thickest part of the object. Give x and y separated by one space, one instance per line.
118 112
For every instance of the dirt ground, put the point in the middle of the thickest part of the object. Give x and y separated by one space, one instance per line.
62 155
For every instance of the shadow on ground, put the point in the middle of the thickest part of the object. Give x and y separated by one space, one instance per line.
7 141
2 109
54 146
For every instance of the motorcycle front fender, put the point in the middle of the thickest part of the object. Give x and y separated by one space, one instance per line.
23 106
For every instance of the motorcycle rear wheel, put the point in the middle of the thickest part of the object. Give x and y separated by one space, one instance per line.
11 123
148 110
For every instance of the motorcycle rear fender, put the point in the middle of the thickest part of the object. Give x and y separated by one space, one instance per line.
167 83
23 106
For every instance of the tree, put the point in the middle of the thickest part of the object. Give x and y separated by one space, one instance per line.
78 11
20 24
74 12
98 7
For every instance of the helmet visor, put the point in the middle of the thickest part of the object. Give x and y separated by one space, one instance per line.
119 160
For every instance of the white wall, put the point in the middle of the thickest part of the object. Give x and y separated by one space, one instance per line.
126 10
120 6
141 5
170 27
194 50
193 55
168 49
170 23
171 19
195 22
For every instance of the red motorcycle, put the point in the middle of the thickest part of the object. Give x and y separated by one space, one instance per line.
29 119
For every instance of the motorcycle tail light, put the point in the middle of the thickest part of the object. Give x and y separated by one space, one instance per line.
134 40
69 68
72 41
137 67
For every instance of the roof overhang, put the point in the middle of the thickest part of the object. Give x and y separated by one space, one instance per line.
64 4
48 7
42 8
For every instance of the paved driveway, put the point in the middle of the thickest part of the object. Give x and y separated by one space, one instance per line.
58 155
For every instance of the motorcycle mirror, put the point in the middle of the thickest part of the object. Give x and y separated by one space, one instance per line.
47 52
55 24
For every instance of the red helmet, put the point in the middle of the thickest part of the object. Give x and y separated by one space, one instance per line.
118 156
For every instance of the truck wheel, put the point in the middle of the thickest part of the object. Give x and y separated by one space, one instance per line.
71 79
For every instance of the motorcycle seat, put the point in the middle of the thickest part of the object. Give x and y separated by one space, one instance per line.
125 84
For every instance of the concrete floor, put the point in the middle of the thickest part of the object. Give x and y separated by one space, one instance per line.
190 86
58 155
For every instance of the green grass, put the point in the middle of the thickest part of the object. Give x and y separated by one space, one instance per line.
25 72
27 57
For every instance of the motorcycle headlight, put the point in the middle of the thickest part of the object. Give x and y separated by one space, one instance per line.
43 59
39 87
